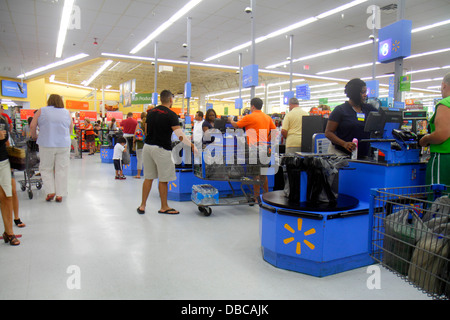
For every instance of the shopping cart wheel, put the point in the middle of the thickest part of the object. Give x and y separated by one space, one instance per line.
205 210
38 185
30 194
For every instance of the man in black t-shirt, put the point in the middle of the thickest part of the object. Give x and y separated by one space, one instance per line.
161 122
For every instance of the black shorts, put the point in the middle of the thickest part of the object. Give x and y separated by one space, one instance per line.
117 164
90 138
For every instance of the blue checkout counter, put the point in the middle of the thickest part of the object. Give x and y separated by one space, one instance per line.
328 238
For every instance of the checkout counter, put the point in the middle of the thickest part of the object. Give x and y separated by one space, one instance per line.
321 237
181 188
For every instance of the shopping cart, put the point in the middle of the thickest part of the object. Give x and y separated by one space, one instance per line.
31 166
231 165
411 235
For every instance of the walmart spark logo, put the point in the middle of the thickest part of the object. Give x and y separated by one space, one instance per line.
103 153
298 248
172 184
396 45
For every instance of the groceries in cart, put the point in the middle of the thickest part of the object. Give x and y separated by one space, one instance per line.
412 236
204 194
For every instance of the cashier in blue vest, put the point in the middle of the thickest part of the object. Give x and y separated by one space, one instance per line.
347 121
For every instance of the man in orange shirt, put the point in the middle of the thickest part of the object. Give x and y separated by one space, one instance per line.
257 125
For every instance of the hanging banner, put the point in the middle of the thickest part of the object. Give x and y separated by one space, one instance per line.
373 88
26 113
391 87
91 115
405 83
288 95
142 98
127 92
303 92
238 103
118 115
14 89
250 76
77 105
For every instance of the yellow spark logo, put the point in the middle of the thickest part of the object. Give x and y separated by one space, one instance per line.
172 184
309 232
396 45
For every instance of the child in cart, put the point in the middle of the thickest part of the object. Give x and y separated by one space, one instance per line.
119 149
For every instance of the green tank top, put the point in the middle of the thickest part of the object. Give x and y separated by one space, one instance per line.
444 147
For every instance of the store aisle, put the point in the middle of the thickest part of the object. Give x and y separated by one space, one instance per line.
96 233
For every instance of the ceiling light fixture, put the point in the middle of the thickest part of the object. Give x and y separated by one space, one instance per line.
352 46
188 7
371 63
53 65
98 72
288 29
65 18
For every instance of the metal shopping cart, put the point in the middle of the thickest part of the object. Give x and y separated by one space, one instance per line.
231 165
411 235
31 167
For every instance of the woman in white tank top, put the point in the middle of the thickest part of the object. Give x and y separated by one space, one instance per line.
55 126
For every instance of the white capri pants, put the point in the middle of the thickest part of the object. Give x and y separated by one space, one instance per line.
5 177
54 169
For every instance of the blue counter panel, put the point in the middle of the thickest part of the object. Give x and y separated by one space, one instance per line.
360 177
316 243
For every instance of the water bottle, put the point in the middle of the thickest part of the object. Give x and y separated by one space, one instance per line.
355 152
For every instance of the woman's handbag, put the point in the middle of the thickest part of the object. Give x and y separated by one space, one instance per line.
16 158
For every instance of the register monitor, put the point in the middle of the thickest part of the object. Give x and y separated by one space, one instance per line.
381 123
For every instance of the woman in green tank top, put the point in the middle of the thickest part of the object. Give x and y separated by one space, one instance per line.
438 168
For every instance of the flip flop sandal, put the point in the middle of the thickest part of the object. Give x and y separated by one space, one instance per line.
168 211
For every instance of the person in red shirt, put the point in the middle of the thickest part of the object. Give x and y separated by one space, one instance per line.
129 127
7 118
257 125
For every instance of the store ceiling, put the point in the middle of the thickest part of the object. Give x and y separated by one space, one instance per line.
29 30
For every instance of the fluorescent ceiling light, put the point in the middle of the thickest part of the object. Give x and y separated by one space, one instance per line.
98 72
287 29
339 9
71 85
352 46
371 63
427 53
430 26
188 7
53 65
65 18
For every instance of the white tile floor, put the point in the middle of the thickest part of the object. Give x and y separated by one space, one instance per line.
122 255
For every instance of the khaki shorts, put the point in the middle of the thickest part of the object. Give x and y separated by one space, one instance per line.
158 164
5 177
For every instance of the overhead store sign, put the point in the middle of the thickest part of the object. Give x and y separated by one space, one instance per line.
303 92
250 76
91 115
288 95
238 103
405 83
77 105
142 98
26 113
373 88
14 89
394 41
